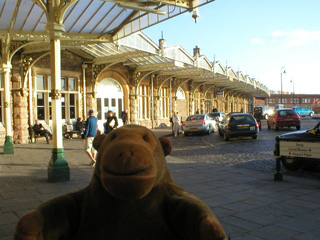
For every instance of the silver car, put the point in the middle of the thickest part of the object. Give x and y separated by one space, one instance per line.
199 123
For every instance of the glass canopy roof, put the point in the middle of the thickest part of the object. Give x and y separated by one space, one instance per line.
100 18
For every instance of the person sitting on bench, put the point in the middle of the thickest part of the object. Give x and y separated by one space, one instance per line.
39 129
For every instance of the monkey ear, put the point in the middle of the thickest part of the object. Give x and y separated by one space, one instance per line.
98 140
166 145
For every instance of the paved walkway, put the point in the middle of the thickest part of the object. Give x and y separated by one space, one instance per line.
249 204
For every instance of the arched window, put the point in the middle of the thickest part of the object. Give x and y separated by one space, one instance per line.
109 97
181 94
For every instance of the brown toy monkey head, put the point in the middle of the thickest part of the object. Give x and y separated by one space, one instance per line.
131 161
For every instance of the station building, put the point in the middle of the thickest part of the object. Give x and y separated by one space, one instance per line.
61 58
134 73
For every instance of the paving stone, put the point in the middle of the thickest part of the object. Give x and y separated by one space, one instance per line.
241 223
274 232
235 179
6 218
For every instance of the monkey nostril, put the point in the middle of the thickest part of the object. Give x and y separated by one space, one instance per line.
126 154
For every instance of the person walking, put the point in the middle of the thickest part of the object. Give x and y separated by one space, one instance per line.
111 123
88 136
124 116
176 124
38 128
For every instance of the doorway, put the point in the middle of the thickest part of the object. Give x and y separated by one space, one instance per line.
109 97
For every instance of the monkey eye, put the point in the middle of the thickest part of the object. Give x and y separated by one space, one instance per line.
113 136
145 138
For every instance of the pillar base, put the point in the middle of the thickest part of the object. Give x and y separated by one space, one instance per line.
58 169
8 147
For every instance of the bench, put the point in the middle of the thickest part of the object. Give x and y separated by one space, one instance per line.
69 130
33 136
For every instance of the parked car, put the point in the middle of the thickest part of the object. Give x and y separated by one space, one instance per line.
262 112
199 123
303 111
238 125
286 117
299 148
218 116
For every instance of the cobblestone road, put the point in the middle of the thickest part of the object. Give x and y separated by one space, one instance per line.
239 152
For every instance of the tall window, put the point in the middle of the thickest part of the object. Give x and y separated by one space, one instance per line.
208 103
70 86
196 101
164 102
144 102
40 106
69 95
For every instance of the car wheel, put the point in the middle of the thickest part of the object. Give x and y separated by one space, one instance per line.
226 137
311 114
254 136
292 164
220 133
274 127
186 134
298 127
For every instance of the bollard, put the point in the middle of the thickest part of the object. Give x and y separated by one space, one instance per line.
278 176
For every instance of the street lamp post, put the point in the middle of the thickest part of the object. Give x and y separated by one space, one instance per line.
283 70
292 91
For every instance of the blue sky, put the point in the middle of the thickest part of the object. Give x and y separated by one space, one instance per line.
257 37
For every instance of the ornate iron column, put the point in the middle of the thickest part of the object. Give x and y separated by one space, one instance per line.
8 144
58 169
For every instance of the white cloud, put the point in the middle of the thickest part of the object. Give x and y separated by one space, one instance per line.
297 37
257 41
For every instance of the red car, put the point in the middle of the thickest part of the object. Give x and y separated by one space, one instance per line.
286 117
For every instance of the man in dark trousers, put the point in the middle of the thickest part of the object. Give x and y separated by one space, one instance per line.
39 129
111 123
88 136
124 116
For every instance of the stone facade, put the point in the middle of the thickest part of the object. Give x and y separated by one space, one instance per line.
128 78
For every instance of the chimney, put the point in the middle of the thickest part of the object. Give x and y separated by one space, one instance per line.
196 51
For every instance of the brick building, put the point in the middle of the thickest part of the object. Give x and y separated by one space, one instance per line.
291 100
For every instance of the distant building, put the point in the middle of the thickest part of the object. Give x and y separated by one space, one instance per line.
291 100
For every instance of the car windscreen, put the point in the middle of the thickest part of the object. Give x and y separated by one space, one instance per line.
195 117
215 114
241 119
284 113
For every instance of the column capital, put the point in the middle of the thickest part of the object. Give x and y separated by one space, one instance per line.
7 67
55 30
